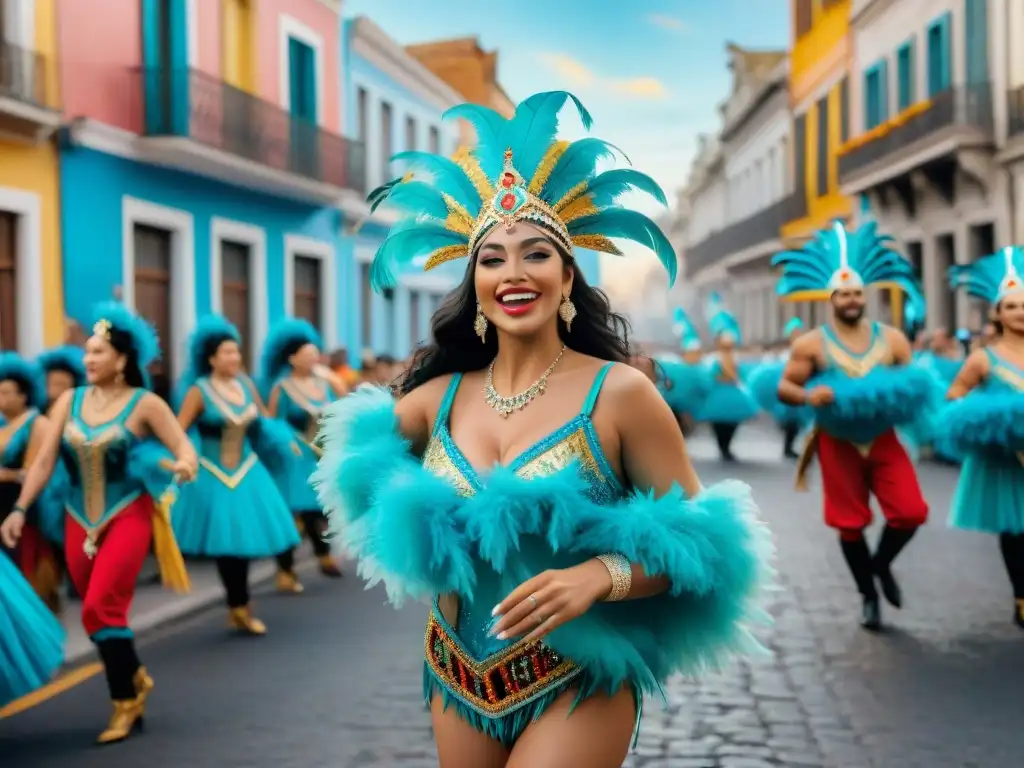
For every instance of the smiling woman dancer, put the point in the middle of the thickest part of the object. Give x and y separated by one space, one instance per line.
100 434
987 419
573 559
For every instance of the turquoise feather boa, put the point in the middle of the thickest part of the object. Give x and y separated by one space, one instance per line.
412 531
764 386
984 421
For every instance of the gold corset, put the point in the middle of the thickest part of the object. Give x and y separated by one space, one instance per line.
312 408
232 463
91 456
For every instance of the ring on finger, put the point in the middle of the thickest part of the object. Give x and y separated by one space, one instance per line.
541 618
533 601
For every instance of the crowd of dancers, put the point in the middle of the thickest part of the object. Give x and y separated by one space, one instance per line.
571 556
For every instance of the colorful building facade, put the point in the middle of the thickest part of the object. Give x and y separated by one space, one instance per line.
393 104
31 301
819 90
202 168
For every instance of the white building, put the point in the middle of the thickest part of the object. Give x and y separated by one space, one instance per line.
737 195
928 115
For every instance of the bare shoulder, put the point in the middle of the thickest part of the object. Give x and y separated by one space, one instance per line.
978 360
807 344
422 404
628 386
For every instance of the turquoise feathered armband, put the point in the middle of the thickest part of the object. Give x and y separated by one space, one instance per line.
983 421
275 442
151 464
412 530
887 397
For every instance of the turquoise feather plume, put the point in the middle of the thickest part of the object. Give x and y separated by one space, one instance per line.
529 135
144 339
794 324
209 328
720 320
28 374
283 335
64 358
991 277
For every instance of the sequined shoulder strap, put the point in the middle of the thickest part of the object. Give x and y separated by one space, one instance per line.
595 390
445 411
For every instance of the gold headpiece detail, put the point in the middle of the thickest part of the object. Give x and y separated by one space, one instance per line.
102 329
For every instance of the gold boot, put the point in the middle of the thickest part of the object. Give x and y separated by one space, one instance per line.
143 686
329 567
127 716
243 620
289 582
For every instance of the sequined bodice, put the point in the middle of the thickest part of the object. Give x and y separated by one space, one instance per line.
224 428
14 441
301 411
1003 375
576 441
96 458
854 365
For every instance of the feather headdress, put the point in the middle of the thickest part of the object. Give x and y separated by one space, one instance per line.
992 278
29 376
689 339
209 330
111 315
282 341
837 258
720 321
66 358
795 324
518 171
915 311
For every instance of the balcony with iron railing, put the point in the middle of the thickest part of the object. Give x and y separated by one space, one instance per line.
761 227
26 110
226 132
962 111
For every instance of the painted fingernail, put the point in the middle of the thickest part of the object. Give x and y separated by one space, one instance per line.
496 610
502 635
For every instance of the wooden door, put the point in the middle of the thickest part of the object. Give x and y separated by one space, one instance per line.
8 281
153 296
234 297
307 290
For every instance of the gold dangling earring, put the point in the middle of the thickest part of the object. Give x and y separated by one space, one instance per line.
567 311
119 379
480 324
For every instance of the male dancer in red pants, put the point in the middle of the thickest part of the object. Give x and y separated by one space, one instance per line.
858 457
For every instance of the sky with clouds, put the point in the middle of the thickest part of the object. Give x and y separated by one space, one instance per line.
651 72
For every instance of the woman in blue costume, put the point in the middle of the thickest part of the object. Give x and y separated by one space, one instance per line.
234 511
764 386
297 395
856 375
729 403
687 381
528 481
22 398
64 367
986 418
110 436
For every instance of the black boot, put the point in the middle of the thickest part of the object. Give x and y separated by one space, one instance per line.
891 543
1012 548
724 434
790 432
858 558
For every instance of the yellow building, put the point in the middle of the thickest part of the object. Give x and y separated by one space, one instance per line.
819 95
31 294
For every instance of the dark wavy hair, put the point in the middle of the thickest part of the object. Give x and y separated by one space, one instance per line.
455 348
124 344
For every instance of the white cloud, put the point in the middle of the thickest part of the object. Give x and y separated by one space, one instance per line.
671 23
575 74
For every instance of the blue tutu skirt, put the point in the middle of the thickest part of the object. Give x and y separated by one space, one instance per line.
293 481
31 638
984 419
990 494
687 385
764 387
250 520
728 404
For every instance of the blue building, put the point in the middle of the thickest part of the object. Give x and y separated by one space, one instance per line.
186 191
394 104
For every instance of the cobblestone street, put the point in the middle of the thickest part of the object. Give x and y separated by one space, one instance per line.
337 680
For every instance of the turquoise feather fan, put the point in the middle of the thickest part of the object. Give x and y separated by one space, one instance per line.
448 205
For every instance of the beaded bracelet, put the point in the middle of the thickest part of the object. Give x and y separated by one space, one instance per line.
621 572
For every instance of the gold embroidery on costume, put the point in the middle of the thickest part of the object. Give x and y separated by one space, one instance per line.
857 366
437 461
574 448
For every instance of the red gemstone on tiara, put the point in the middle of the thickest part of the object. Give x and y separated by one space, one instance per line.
507 180
508 201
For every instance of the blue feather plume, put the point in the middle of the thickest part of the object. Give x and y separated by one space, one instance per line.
64 358
209 328
144 340
720 320
629 225
684 329
29 376
577 165
608 186
794 324
284 334
446 175
991 277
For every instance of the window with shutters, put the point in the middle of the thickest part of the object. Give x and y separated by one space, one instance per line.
362 114
976 32
905 76
800 156
410 133
844 110
822 153
307 304
153 296
236 303
365 307
804 14
8 280
414 319
387 144
939 67
435 140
